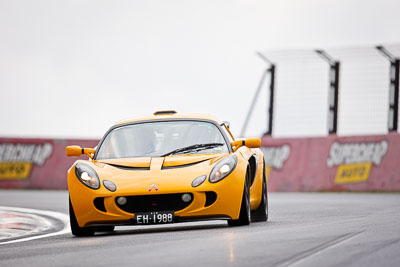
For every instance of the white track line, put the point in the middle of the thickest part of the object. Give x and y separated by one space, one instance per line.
57 215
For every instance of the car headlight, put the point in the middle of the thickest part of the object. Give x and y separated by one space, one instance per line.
109 185
199 180
87 175
223 168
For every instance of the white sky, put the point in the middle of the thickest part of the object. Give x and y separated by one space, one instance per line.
73 68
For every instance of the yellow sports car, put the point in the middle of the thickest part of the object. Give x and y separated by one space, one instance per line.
167 168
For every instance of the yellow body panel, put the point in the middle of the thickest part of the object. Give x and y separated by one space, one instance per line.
171 174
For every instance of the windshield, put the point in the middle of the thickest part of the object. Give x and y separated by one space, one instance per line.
154 139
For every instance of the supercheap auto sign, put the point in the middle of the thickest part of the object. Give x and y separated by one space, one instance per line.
16 160
36 163
354 160
275 157
332 163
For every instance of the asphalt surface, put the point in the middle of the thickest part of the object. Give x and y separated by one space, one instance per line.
304 229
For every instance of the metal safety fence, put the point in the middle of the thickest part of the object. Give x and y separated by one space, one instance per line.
317 92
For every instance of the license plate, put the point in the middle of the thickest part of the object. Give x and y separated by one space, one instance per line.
156 217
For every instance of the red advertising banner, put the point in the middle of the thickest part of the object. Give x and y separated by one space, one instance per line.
36 163
356 163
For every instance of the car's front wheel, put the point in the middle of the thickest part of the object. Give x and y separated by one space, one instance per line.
245 213
75 228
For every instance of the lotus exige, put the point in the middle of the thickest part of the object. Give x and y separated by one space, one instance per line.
167 168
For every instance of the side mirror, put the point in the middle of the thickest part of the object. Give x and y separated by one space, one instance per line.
76 151
252 142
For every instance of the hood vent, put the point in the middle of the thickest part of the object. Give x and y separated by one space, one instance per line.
127 168
181 166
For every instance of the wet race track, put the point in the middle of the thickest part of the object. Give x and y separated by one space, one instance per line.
304 229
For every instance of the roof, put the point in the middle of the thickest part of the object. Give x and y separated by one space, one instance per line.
171 116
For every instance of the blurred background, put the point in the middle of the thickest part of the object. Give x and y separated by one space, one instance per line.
70 69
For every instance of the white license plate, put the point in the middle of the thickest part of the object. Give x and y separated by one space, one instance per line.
156 217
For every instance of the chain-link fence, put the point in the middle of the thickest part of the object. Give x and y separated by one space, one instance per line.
302 86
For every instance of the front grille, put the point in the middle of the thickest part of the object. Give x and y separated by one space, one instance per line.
154 203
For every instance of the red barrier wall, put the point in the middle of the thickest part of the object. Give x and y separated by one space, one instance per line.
357 163
36 163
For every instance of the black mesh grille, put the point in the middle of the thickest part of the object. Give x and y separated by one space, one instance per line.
154 203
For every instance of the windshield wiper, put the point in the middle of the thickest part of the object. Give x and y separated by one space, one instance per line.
197 147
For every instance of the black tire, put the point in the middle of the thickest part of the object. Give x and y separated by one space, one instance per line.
75 229
245 212
261 213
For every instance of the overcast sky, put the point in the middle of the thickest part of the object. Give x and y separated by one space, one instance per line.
73 68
